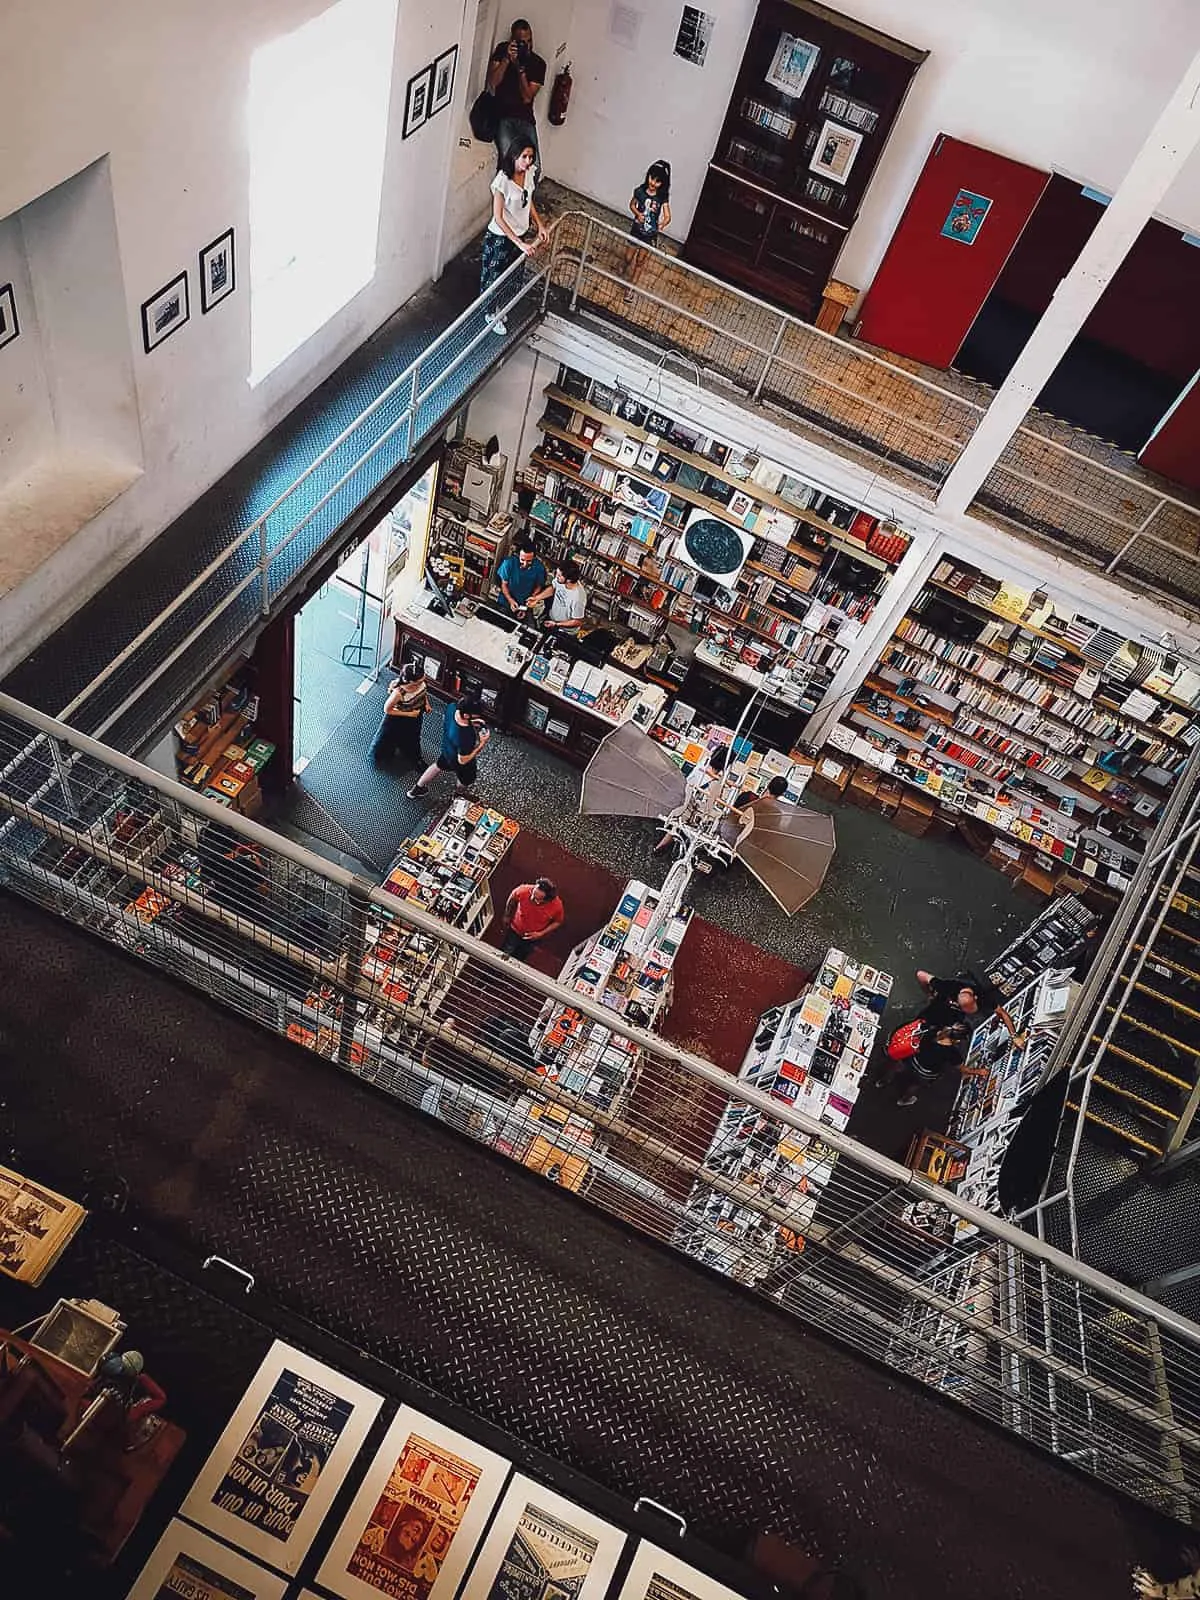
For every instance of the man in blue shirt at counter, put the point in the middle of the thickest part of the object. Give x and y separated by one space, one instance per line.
521 575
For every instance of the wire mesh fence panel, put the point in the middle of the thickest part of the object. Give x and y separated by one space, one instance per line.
737 1180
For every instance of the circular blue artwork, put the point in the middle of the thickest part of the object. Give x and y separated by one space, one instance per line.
714 545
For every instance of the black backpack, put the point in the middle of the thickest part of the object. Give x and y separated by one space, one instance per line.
485 117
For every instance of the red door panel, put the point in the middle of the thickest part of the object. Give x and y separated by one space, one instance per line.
1175 449
931 284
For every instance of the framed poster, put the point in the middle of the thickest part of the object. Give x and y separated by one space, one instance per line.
10 328
216 272
186 1564
165 312
655 1575
792 65
416 101
542 1547
422 1508
272 1474
443 81
835 152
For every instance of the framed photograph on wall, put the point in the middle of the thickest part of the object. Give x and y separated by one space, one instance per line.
274 1471
187 1562
216 272
9 326
443 81
792 65
418 1515
835 152
416 101
541 1544
165 312
655 1575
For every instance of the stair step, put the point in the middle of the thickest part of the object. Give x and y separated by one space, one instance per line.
1166 1000
1156 960
1143 1063
1173 932
1146 1107
1112 1127
1128 1021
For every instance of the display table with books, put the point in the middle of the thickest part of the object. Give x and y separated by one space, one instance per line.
466 651
812 1055
628 967
445 872
573 705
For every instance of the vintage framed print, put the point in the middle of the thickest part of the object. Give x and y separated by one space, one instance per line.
165 312
655 1575
835 152
443 81
541 1544
420 1512
187 1564
792 65
216 272
272 1474
416 101
9 326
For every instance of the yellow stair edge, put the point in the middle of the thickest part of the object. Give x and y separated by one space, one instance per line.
1146 1066
1090 1116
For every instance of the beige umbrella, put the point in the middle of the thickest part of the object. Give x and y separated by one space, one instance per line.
788 850
631 776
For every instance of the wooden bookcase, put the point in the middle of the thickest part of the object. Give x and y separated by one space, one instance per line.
810 115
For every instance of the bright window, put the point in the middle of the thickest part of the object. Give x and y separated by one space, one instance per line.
318 135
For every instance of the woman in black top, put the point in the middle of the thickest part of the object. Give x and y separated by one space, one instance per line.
407 703
938 1049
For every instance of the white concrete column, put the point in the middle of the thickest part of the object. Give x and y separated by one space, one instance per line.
1168 146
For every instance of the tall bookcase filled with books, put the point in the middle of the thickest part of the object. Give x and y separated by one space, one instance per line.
1007 706
776 576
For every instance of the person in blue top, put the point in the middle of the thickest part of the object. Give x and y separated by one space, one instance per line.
464 736
521 575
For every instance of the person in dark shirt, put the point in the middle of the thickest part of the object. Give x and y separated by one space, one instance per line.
964 999
464 736
938 1050
515 76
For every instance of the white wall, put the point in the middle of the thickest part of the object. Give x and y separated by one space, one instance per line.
161 90
1069 84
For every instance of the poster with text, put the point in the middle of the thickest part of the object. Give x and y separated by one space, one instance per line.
186 1564
275 1469
542 1547
655 1575
418 1516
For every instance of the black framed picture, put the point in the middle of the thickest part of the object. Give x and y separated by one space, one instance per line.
443 80
416 101
9 326
216 271
165 312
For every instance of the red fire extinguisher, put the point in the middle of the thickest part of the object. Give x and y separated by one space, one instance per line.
560 97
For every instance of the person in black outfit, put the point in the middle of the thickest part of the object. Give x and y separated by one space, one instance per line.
965 999
939 1049
515 76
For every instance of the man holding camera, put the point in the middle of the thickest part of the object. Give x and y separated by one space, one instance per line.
514 77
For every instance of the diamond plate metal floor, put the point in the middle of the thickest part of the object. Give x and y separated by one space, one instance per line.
545 1318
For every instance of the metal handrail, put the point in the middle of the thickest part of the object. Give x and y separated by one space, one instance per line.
899 1177
581 256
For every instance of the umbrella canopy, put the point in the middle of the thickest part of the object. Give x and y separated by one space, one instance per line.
788 850
630 776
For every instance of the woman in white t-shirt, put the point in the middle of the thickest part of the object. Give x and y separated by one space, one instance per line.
513 216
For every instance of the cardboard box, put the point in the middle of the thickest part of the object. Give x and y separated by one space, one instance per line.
830 779
888 794
914 814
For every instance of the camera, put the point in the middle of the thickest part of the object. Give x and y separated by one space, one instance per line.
522 53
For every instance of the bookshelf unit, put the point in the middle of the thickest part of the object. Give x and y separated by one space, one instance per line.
615 484
1004 704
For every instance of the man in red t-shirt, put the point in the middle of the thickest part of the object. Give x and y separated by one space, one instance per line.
533 910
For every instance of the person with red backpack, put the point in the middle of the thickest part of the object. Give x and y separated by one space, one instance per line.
920 1051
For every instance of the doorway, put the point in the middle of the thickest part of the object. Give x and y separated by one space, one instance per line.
342 632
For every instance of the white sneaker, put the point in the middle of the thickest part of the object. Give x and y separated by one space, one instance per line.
498 325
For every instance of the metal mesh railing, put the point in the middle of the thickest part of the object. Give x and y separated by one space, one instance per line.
1051 480
832 391
659 1136
216 611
